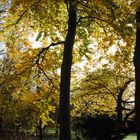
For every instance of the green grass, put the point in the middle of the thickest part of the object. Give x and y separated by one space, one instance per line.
51 132
131 137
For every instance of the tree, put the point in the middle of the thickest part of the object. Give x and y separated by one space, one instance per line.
107 86
66 74
137 74
102 92
37 15
21 105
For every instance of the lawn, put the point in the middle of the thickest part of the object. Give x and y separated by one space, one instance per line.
131 137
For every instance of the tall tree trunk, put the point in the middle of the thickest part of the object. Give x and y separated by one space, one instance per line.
40 129
64 105
119 116
119 109
137 74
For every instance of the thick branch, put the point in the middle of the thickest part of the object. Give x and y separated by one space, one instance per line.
128 115
42 50
123 88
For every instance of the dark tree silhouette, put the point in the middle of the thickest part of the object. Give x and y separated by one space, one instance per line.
64 107
137 73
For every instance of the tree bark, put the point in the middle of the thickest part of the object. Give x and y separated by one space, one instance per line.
64 103
119 115
137 74
119 109
40 130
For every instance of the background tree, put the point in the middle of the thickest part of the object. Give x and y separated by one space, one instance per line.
137 75
99 94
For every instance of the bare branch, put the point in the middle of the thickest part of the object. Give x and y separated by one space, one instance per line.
128 115
20 17
42 50
52 85
109 91
45 74
2 52
2 11
128 102
103 27
123 88
92 17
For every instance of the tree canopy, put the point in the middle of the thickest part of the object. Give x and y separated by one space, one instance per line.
43 39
